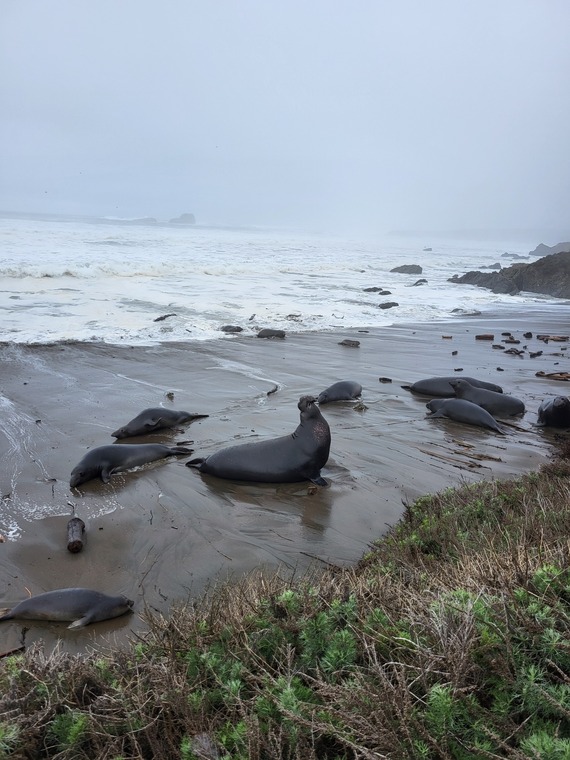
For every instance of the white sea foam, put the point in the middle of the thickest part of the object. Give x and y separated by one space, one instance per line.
77 280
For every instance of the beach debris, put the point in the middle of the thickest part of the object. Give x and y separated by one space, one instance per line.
485 336
350 343
294 317
565 376
164 316
384 379
360 407
169 395
267 332
534 354
447 337
273 390
231 329
75 531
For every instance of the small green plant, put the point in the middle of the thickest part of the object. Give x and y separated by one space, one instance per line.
69 729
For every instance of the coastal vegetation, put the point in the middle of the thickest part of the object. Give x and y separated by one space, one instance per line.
449 639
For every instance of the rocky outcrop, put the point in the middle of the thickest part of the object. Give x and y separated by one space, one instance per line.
184 219
545 250
408 269
549 275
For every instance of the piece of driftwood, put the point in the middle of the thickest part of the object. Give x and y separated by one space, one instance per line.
75 530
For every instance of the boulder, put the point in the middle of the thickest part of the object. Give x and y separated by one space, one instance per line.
408 269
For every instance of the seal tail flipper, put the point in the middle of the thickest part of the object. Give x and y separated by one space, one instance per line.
181 450
85 620
7 616
319 481
439 413
196 462
406 387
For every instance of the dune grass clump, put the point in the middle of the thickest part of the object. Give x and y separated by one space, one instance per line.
449 639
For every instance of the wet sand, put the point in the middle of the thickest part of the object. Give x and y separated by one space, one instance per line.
165 532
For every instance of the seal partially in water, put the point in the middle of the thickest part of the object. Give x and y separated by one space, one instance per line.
344 390
497 404
554 412
103 461
441 386
153 419
81 605
288 459
460 410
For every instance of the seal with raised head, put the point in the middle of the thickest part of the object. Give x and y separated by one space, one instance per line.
344 390
497 404
460 410
155 418
554 412
441 386
287 459
104 461
80 605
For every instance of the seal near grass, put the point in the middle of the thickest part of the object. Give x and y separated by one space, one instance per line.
80 605
554 412
155 418
460 410
287 459
497 404
104 461
344 390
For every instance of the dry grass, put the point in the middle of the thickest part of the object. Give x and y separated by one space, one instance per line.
451 639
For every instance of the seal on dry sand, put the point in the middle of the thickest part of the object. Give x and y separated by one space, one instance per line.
460 410
554 412
441 386
155 418
344 390
80 605
288 459
497 404
104 461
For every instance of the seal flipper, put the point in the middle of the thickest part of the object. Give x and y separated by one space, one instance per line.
197 463
181 450
319 481
81 622
7 616
105 474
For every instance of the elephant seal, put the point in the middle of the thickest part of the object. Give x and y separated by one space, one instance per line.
81 605
441 386
104 461
497 404
554 412
153 419
460 410
344 390
288 459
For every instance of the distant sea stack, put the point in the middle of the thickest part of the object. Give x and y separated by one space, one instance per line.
184 219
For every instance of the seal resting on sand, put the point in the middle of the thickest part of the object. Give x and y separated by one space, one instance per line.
460 410
344 390
81 605
441 386
554 412
497 404
288 459
103 461
153 419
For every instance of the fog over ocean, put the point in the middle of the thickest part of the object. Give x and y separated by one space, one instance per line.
108 280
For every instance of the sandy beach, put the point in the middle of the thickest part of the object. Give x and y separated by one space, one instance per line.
164 532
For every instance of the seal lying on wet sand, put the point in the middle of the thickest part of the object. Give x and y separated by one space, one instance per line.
441 386
460 410
288 459
153 419
497 404
81 605
103 461
344 390
554 412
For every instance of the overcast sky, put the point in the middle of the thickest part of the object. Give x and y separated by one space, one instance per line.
356 114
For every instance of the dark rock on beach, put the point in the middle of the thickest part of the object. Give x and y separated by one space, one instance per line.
269 333
408 269
231 329
549 275
387 305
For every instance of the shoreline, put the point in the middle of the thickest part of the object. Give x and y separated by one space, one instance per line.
165 533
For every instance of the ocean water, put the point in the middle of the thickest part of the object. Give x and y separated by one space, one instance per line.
108 280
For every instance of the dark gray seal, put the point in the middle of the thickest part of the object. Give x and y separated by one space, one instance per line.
497 404
554 412
288 459
81 605
460 410
344 390
155 418
440 387
104 461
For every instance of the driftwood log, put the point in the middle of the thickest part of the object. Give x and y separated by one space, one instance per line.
75 530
